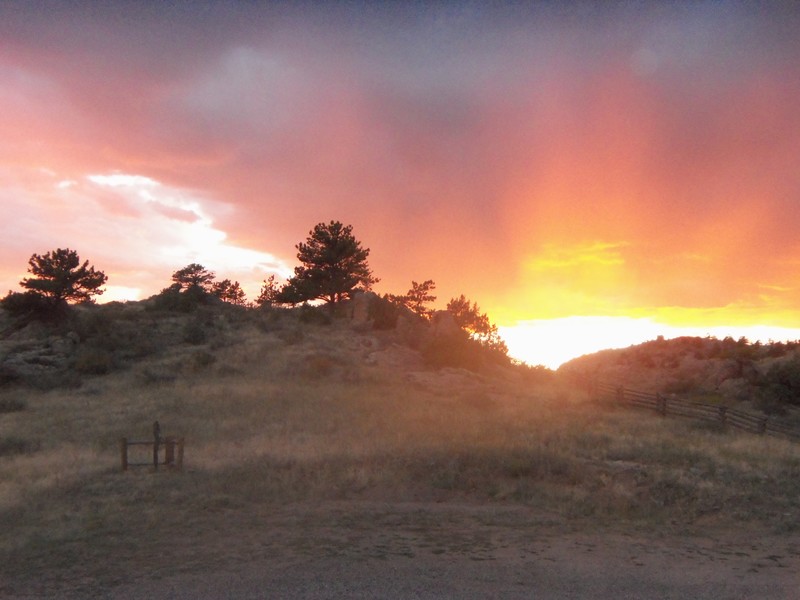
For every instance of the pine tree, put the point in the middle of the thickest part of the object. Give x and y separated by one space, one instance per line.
333 265
59 277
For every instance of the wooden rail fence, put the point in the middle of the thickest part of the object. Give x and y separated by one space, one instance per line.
670 406
173 451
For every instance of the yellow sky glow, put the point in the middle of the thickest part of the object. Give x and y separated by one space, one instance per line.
553 342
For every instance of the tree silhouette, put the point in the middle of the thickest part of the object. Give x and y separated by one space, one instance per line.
470 318
417 297
59 277
230 292
270 292
333 265
194 276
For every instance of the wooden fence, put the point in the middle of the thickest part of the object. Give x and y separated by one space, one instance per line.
671 406
173 451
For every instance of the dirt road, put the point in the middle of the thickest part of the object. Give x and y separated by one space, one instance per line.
381 550
573 567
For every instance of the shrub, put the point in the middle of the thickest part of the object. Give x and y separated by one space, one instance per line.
536 373
456 350
175 299
93 361
30 305
195 333
314 315
783 381
769 400
93 322
382 312
120 333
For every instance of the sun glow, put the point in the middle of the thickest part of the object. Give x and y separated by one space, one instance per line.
119 293
552 342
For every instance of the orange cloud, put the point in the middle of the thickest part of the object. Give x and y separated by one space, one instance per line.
544 161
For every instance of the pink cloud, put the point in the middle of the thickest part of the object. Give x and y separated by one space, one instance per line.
459 141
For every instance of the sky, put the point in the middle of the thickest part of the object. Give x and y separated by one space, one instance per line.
558 163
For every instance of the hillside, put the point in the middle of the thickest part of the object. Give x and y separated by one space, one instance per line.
173 335
760 377
322 441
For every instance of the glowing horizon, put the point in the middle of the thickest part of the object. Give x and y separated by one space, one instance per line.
553 342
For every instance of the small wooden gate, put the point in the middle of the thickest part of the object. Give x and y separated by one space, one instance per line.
173 451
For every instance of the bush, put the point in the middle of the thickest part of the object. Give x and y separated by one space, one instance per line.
93 322
195 333
456 350
769 401
382 312
175 299
93 361
30 305
536 373
118 332
782 381
314 315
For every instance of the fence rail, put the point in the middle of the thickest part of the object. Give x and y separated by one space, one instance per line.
678 407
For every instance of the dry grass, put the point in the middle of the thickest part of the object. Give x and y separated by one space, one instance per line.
281 418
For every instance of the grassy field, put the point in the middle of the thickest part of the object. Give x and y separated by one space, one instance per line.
297 415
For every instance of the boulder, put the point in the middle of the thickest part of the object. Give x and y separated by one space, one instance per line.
443 324
359 307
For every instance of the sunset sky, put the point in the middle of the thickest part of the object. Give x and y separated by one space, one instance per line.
636 165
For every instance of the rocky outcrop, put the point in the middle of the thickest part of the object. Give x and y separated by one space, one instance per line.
38 362
443 324
359 306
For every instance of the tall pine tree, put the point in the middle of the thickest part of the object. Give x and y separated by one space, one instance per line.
334 265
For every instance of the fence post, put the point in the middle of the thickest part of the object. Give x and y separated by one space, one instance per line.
156 440
179 463
723 414
123 452
169 451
